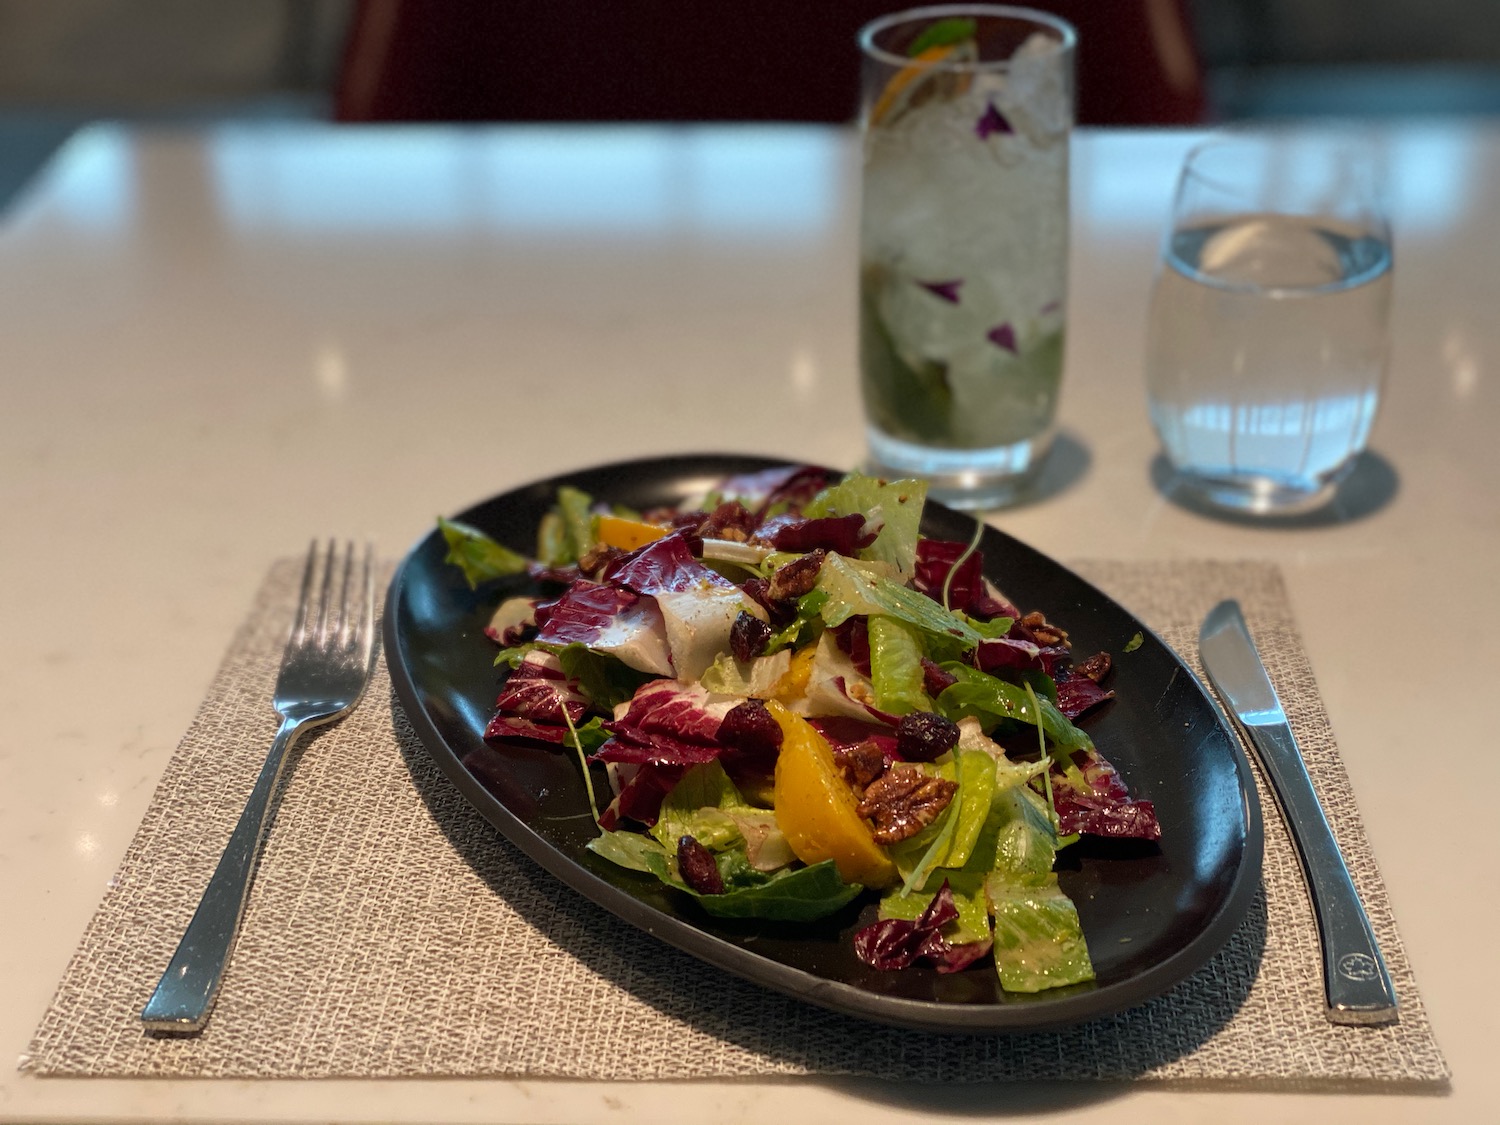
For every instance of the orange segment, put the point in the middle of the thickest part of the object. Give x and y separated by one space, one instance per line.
902 80
627 535
816 809
792 685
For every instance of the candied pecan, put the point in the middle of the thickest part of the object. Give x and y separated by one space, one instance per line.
797 577
1095 667
1042 631
860 763
903 800
923 736
696 865
730 520
597 557
748 636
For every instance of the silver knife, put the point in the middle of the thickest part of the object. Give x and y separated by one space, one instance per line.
1355 979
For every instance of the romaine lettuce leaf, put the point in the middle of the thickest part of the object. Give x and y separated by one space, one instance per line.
972 923
566 533
728 676
803 894
896 666
479 557
895 507
854 590
697 807
628 849
991 700
1039 942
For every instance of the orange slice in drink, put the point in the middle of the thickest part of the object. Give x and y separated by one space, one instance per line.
923 78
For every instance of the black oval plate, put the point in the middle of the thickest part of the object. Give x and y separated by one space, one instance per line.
1152 914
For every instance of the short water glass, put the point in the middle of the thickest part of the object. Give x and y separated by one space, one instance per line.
1267 337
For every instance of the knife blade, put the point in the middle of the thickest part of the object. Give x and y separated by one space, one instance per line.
1355 980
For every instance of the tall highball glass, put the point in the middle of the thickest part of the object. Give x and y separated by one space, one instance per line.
967 114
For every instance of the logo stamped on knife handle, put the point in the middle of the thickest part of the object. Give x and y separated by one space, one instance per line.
1357 966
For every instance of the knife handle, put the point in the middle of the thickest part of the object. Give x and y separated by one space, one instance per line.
1355 979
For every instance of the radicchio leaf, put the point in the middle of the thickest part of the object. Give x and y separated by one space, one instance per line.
1105 808
537 702
608 619
892 944
843 534
792 487
641 795
968 591
1077 694
1006 654
665 565
842 733
853 639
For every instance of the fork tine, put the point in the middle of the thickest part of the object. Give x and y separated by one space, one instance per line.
304 598
324 607
340 627
364 634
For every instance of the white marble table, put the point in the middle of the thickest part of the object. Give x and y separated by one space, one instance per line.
214 346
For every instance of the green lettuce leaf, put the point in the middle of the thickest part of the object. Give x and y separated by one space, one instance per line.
728 676
696 807
605 679
976 793
1039 942
895 506
628 849
853 590
566 533
896 666
801 895
479 557
992 700
807 621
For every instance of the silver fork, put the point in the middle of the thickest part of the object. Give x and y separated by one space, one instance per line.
323 673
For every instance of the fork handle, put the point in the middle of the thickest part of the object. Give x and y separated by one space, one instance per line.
185 994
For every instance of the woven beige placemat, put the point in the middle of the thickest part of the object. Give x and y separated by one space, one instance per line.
392 933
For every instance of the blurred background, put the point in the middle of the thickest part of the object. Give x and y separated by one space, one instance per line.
65 63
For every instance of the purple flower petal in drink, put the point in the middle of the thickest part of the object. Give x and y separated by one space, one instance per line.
947 290
1051 307
990 122
1002 336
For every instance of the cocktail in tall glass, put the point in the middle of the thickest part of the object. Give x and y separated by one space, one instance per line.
964 242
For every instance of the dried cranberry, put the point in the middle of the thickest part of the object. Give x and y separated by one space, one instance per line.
697 867
934 679
751 729
923 736
748 636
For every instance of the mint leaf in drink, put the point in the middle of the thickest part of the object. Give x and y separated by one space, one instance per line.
942 33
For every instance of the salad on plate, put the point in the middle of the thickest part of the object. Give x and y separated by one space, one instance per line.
784 698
